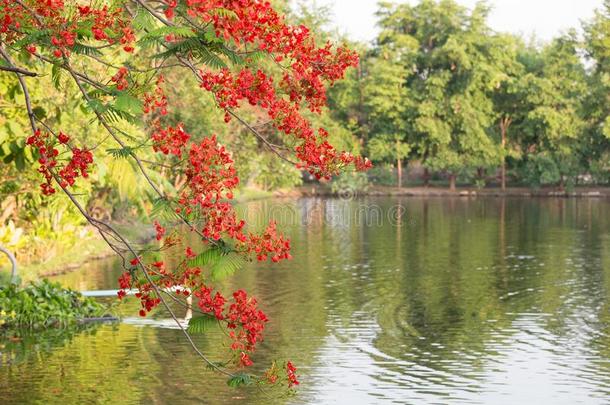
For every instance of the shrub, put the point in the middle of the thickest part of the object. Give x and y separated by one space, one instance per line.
44 304
383 175
350 183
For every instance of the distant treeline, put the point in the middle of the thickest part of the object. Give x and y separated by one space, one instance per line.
440 88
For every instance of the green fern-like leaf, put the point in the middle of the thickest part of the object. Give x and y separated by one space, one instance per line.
114 115
208 257
34 37
240 379
226 266
209 58
128 103
231 55
120 153
162 209
223 12
205 52
95 105
82 49
162 32
210 37
57 76
201 324
256 56
143 21
188 45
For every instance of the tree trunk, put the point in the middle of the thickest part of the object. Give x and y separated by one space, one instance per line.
452 178
399 166
504 124
426 177
361 117
7 209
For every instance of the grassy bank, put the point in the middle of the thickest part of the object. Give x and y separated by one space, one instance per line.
71 255
63 255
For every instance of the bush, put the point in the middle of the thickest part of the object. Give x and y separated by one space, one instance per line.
541 170
600 170
350 183
44 304
383 175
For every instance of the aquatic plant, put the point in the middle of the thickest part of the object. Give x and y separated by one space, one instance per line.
44 304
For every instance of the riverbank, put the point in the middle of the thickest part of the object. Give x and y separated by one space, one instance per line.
86 250
579 192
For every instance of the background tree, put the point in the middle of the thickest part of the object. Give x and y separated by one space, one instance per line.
453 71
596 142
507 98
553 90
385 103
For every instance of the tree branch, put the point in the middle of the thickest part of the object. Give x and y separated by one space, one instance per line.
18 70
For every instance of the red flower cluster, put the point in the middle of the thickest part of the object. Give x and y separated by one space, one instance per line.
10 16
268 243
124 284
211 177
148 301
170 140
120 78
159 230
316 153
257 22
245 360
256 87
211 304
246 320
291 373
77 166
242 316
156 101
53 17
311 69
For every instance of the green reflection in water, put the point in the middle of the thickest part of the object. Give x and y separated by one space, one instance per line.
454 301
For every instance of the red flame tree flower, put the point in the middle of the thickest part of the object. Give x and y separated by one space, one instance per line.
216 41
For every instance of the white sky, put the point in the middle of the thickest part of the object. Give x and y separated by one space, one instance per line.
544 18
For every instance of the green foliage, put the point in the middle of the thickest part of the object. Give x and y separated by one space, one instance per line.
449 70
350 183
221 262
162 209
226 266
385 102
540 170
44 304
441 86
600 169
383 175
239 380
271 173
201 324
385 148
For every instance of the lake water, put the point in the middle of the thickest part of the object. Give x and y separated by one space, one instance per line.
387 300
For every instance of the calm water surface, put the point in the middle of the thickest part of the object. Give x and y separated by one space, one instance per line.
389 300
